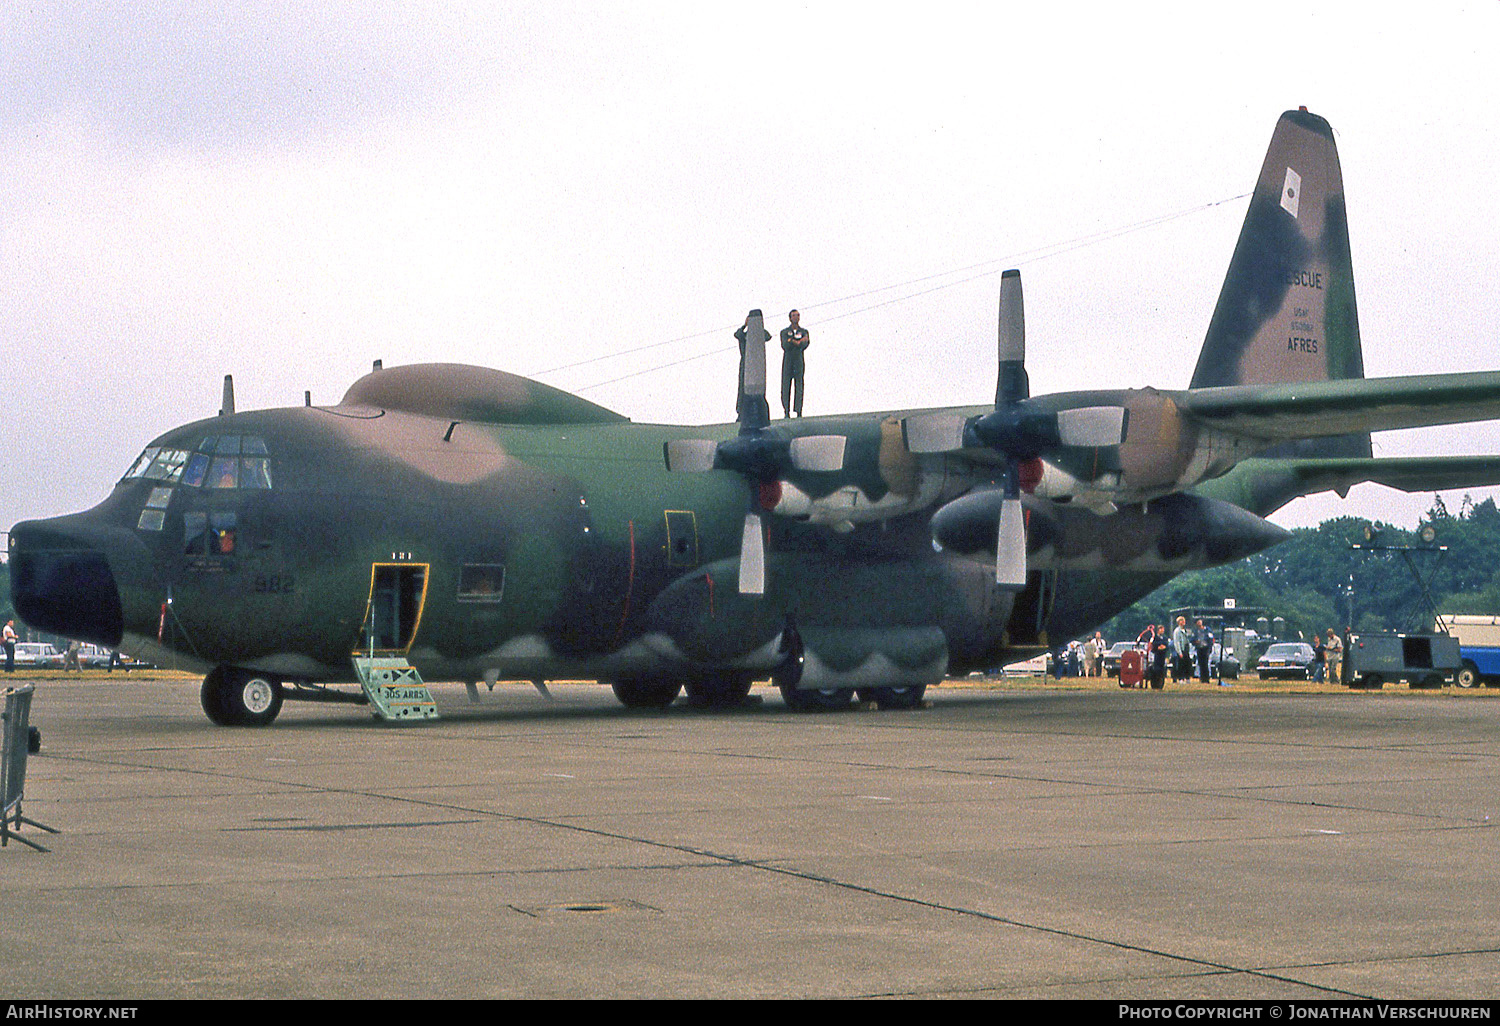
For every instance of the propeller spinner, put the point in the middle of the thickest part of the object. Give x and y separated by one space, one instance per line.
755 453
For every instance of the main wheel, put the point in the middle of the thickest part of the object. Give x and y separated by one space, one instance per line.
906 696
1372 681
646 694
720 691
1468 676
816 699
214 697
240 698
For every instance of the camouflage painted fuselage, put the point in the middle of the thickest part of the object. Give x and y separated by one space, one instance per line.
488 526
539 536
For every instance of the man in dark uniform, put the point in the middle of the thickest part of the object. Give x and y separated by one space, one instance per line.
793 345
1157 649
1203 643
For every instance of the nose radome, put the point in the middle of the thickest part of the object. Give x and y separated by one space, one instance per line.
61 581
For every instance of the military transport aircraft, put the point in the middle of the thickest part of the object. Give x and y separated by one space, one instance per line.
457 523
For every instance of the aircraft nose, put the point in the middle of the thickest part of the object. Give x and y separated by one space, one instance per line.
61 579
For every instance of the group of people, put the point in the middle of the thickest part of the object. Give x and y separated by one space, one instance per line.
794 343
1082 658
1189 651
1186 653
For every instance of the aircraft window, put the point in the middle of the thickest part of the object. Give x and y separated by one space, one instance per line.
255 472
139 469
481 582
210 534
167 466
196 470
224 472
195 534
253 446
151 519
159 498
223 528
228 445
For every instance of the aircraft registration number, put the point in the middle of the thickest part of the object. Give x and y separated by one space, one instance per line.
274 584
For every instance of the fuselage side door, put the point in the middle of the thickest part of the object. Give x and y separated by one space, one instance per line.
398 594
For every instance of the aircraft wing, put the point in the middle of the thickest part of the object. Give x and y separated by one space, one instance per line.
1277 412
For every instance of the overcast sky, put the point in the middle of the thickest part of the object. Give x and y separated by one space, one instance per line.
287 192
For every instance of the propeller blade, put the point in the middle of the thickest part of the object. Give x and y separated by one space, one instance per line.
934 432
1093 426
753 557
818 452
690 455
1010 545
1012 383
754 381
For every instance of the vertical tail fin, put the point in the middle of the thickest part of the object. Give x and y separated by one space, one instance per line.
1286 311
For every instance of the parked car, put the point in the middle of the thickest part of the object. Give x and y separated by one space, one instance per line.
1290 660
95 657
38 655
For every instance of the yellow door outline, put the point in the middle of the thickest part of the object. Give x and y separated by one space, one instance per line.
416 626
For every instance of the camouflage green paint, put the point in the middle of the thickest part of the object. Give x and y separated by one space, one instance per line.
613 566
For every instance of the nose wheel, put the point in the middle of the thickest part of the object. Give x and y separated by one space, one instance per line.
240 698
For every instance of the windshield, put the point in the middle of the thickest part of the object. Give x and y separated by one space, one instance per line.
220 461
1283 651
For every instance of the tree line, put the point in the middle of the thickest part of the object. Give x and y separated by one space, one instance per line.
1316 579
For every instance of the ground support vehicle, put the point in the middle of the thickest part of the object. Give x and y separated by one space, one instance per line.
1478 646
1481 665
1423 660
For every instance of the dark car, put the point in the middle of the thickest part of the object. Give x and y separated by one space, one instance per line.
1289 660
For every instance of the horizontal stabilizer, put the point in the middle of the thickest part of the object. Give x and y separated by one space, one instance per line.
1318 408
1407 473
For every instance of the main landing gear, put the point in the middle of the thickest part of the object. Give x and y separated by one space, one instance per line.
240 698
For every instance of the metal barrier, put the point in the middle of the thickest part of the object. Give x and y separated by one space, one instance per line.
15 737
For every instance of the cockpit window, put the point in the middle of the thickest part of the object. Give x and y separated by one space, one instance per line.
229 461
196 469
255 472
224 472
220 461
158 464
209 534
